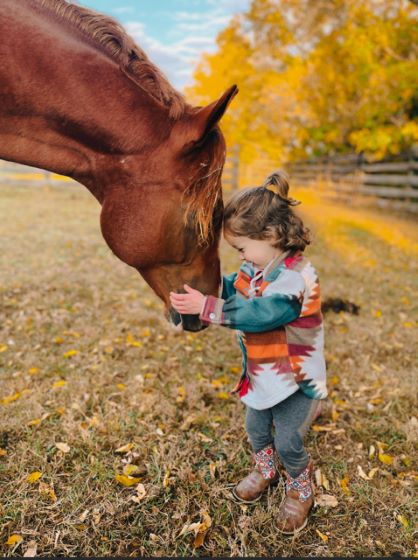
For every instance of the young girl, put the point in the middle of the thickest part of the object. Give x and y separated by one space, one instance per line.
274 304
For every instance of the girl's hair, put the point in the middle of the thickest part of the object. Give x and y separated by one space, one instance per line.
266 213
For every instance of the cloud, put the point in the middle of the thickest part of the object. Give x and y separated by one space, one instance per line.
176 60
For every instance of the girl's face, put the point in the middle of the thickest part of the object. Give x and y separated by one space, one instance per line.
258 252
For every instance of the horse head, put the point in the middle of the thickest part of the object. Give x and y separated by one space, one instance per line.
165 218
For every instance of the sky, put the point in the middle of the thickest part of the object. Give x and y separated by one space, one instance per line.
173 33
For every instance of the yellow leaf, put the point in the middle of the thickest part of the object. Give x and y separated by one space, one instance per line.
145 332
62 446
33 370
166 480
48 491
125 448
11 398
35 422
130 469
385 459
403 520
181 394
58 340
223 395
344 485
121 386
3 348
322 536
216 383
334 380
108 349
235 369
130 341
60 410
372 472
318 428
14 539
334 413
59 384
372 451
34 477
377 313
3 452
408 324
70 353
127 480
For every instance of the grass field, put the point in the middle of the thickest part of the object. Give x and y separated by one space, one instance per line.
97 391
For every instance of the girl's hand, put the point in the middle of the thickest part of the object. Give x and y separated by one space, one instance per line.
190 303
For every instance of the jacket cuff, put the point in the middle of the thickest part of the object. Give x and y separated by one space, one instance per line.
212 311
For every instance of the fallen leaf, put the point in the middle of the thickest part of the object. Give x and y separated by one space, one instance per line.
140 493
59 384
3 348
34 477
3 452
62 446
129 470
125 448
372 472
30 552
372 451
362 474
403 520
166 481
321 535
47 491
34 422
212 470
121 386
11 398
84 515
326 500
14 539
181 394
127 480
385 458
318 428
33 370
223 395
70 353
344 485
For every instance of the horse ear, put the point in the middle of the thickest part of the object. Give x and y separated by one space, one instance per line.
206 118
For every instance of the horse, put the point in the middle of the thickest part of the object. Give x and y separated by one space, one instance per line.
79 98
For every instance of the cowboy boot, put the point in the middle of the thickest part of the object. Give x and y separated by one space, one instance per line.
266 472
298 501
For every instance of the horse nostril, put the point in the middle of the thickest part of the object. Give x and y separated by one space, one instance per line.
174 317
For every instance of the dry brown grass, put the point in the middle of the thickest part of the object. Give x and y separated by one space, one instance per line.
62 290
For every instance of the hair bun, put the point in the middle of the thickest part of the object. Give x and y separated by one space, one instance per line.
278 182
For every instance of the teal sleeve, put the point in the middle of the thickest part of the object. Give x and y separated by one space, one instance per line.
252 315
260 314
228 288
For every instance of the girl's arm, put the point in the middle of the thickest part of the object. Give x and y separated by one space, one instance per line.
255 315
280 304
228 288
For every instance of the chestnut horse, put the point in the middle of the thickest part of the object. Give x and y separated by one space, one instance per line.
79 98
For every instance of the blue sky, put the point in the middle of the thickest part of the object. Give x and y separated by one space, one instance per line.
173 33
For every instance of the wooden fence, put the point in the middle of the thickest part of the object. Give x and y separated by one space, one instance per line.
392 183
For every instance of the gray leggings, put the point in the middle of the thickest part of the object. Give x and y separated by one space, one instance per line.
291 419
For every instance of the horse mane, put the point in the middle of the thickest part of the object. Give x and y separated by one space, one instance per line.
204 195
113 39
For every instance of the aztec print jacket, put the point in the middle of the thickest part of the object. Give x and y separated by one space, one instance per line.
277 313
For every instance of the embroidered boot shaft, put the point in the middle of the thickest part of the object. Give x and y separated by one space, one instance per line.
299 499
266 472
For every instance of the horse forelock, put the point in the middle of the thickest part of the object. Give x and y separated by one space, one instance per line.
108 34
205 193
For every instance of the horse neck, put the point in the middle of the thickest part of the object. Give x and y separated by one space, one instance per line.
68 107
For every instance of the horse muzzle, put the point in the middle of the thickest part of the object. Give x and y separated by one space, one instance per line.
190 323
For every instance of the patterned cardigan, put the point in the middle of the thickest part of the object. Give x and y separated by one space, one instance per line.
277 313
